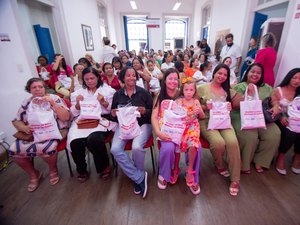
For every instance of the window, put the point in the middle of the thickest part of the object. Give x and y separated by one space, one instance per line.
175 31
136 33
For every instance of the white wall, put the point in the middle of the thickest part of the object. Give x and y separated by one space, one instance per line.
154 9
290 57
16 66
229 14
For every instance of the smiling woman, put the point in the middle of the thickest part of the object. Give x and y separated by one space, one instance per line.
258 145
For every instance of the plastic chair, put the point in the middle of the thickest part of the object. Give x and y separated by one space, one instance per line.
204 142
62 145
149 144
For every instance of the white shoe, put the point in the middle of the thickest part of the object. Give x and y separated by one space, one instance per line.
296 171
282 172
161 183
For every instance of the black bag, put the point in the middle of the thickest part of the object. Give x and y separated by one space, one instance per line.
267 106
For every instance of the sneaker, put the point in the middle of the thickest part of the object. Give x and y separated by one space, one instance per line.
144 186
136 189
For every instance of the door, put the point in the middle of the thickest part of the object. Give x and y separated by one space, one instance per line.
44 41
259 19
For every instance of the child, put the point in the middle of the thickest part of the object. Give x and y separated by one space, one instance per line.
191 136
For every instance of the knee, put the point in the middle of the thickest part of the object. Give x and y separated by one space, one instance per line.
167 148
95 137
217 145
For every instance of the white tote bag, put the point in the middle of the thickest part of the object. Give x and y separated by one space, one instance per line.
294 115
90 108
219 117
41 118
65 80
128 124
252 116
174 123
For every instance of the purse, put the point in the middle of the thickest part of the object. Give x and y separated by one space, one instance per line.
23 136
267 106
87 124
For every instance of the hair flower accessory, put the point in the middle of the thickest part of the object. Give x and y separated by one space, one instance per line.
186 79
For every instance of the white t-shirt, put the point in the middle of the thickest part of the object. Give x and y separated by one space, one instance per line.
234 52
166 66
198 75
107 54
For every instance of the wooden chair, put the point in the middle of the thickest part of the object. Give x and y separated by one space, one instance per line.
128 147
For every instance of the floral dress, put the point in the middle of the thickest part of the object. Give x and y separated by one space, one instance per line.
191 135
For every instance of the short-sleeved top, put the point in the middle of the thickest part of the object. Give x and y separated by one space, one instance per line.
263 92
62 72
166 66
205 94
22 112
233 51
115 84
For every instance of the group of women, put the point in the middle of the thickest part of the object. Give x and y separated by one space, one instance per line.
233 149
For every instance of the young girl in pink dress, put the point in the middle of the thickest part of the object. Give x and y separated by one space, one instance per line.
191 137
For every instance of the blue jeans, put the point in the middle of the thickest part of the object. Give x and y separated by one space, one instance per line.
134 168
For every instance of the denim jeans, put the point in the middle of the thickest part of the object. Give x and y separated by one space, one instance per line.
134 168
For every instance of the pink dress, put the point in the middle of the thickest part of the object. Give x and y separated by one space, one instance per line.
267 57
191 135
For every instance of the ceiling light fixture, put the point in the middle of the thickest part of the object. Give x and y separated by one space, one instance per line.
133 5
176 6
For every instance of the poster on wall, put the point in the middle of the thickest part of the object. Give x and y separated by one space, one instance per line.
87 37
220 40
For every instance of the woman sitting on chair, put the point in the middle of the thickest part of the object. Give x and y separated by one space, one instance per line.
91 138
133 95
22 150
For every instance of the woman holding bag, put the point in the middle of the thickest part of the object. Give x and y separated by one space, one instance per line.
258 144
282 97
98 94
221 140
132 95
21 150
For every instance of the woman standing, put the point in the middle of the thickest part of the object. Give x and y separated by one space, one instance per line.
283 95
135 96
267 57
90 138
258 145
22 150
250 56
223 140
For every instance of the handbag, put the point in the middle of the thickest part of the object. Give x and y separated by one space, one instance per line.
87 123
252 116
267 107
294 115
219 116
23 136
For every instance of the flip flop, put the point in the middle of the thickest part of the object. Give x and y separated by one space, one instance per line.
34 183
54 178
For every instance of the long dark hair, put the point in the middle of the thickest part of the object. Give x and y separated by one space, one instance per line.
226 84
63 64
163 91
260 83
93 71
286 80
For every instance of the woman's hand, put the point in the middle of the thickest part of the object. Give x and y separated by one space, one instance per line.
275 111
209 104
197 110
27 129
78 99
251 89
114 112
142 110
49 99
163 136
229 106
284 121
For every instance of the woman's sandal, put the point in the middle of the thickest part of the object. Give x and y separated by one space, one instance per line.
174 176
105 175
247 172
34 183
223 172
54 178
161 183
234 188
259 169
83 177
195 189
190 178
